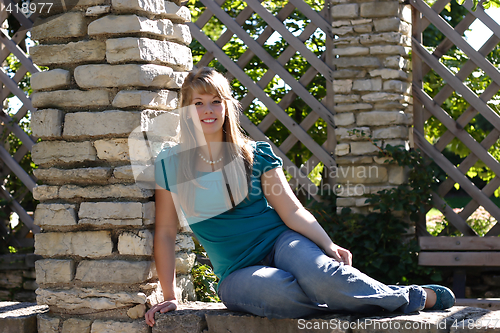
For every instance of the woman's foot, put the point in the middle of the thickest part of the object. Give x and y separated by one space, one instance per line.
438 297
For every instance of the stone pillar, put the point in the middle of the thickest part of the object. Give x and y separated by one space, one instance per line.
372 94
113 67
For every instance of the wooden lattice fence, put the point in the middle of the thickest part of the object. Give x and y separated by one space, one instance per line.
10 84
479 251
319 66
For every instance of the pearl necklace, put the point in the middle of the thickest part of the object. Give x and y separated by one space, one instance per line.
209 161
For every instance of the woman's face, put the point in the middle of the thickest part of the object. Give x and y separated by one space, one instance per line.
210 113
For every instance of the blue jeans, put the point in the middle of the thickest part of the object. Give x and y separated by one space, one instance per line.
297 279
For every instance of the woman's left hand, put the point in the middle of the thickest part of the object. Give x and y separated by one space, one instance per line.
340 254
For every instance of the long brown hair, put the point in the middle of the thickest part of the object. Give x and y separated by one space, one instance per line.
207 80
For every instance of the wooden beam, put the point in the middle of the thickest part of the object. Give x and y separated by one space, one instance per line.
14 88
453 217
15 206
18 52
315 18
459 259
17 169
18 131
483 17
464 243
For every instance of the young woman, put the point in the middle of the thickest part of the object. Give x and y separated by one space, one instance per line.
272 257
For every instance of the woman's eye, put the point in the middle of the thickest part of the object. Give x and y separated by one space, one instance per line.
217 101
198 103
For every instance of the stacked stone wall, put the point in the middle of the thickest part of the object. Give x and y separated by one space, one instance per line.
372 94
17 277
113 66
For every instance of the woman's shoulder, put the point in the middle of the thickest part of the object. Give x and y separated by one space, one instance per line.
167 152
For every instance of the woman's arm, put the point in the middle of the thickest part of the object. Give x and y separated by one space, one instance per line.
164 251
281 197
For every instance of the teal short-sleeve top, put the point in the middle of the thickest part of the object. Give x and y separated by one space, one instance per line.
241 236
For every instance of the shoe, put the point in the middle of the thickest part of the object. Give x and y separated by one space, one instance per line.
445 298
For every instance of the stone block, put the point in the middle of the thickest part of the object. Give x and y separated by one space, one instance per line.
352 107
98 10
342 86
89 299
381 118
346 202
398 62
397 86
137 311
55 152
76 325
176 13
107 191
342 30
138 243
363 28
361 174
11 279
110 210
47 324
149 6
161 100
343 133
70 53
113 271
387 24
47 124
367 85
55 215
71 98
185 288
145 75
182 34
362 148
183 242
389 49
81 175
110 326
131 49
121 24
91 244
177 78
345 11
54 271
102 222
45 192
365 62
184 262
112 149
351 51
70 24
30 285
398 175
382 38
109 122
346 98
382 97
53 79
160 124
342 149
67 5
379 9
344 119
391 132
148 212
350 40
361 202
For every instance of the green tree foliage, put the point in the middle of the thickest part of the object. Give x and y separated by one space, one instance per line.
276 89
456 105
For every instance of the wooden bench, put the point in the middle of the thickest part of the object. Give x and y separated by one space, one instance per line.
459 253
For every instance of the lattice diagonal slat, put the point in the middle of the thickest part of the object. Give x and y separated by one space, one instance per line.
425 107
321 153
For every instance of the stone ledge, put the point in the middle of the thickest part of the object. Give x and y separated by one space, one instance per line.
197 317
16 317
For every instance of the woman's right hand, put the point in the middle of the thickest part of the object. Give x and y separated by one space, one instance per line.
165 306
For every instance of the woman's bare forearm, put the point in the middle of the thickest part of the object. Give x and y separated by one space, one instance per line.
164 253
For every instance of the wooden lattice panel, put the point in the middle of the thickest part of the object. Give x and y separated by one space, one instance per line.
321 153
426 107
10 164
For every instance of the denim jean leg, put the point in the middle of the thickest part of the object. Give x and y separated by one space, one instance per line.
326 281
266 291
